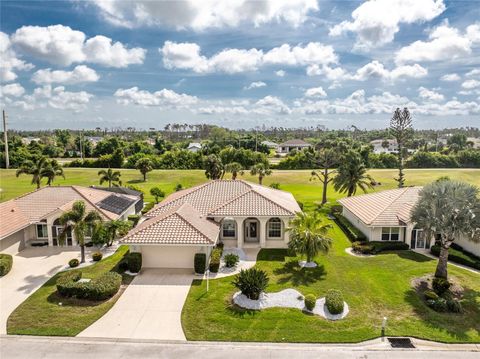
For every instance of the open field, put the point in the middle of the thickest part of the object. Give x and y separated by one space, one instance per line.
297 182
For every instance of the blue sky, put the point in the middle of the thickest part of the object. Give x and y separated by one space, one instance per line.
83 64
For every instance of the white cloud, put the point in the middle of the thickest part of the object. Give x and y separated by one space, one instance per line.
188 56
377 21
270 105
280 73
470 84
255 84
60 45
201 15
164 98
315 92
14 90
9 60
474 72
430 95
79 74
445 43
450 77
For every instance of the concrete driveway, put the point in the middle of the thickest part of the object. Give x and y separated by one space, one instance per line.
31 268
150 308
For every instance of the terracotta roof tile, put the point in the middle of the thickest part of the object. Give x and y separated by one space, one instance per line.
11 218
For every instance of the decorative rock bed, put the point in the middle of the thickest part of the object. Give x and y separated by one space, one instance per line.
287 298
305 264
350 251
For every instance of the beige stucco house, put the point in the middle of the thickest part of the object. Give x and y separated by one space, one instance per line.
33 219
385 216
290 145
235 212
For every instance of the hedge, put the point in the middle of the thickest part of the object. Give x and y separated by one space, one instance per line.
200 263
100 288
134 261
458 255
6 261
352 232
215 259
375 247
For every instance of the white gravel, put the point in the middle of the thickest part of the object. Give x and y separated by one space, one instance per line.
305 264
350 251
287 298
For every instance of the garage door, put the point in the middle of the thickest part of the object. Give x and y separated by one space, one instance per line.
169 256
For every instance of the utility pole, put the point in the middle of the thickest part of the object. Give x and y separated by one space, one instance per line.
5 138
80 143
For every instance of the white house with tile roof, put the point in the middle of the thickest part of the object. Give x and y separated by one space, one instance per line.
235 212
33 217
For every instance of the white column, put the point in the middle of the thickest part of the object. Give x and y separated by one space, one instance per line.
286 235
262 232
240 235
408 234
50 233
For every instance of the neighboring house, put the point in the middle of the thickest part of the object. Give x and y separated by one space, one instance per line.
290 145
238 213
475 142
94 140
384 146
28 140
34 217
194 147
385 216
270 144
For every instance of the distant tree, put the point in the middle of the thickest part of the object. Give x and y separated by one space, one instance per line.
352 174
37 169
157 193
117 158
457 142
261 170
144 165
53 170
235 169
110 176
178 187
451 209
325 159
401 129
63 137
213 167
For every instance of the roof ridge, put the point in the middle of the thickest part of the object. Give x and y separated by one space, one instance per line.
268 199
93 204
190 224
230 201
403 190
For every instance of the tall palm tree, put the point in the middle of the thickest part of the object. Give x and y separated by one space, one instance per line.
308 235
261 170
53 170
78 222
110 176
37 169
451 209
235 169
352 174
116 228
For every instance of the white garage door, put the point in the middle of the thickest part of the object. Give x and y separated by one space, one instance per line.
169 256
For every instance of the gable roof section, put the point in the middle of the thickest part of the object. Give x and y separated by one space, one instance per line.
385 208
11 218
295 143
181 224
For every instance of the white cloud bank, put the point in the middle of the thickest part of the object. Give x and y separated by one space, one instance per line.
165 98
79 74
9 60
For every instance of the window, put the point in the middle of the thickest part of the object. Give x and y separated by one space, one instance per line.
390 233
228 229
274 228
42 231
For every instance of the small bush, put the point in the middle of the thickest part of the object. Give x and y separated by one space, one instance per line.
200 263
362 247
72 263
6 262
231 260
440 285
89 244
123 265
96 256
275 185
334 301
215 259
148 206
100 288
310 301
134 262
430 295
134 218
251 282
438 305
454 306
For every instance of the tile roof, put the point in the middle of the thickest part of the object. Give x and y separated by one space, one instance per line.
11 218
180 225
385 208
295 143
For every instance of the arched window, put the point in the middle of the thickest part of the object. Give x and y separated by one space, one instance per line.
274 228
228 228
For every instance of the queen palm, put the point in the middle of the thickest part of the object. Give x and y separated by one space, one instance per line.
37 169
450 209
261 170
110 176
53 170
308 235
235 169
116 228
78 222
352 174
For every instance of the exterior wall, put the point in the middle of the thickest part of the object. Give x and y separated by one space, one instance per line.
14 243
359 224
470 246
157 256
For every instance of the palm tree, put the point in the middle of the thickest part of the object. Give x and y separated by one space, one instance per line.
308 235
116 228
144 165
352 174
262 170
451 209
78 222
53 170
110 176
235 169
37 169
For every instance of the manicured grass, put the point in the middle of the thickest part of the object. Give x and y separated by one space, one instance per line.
41 313
373 287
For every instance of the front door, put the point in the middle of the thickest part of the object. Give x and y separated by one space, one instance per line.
420 239
251 230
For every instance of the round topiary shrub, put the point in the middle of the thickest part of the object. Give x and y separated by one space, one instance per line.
334 301
100 288
231 260
440 285
310 301
72 263
6 262
251 282
96 256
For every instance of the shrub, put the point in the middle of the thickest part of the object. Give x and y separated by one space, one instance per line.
275 185
215 259
67 283
134 262
430 295
388 246
96 256
334 301
438 305
72 263
148 206
6 261
440 285
200 262
100 288
89 244
231 260
454 306
134 218
362 247
123 265
352 232
458 255
251 282
310 301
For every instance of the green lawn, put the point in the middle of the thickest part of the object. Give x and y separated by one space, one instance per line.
41 313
